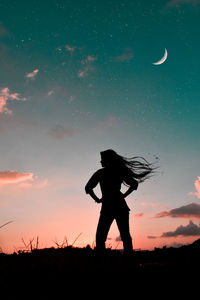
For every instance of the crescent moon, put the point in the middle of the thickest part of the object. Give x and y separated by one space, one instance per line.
163 59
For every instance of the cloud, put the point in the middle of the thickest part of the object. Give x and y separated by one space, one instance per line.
7 177
189 230
3 31
89 59
173 3
191 210
83 73
88 66
51 92
59 132
139 215
71 99
33 74
5 95
36 185
197 186
151 237
70 49
126 56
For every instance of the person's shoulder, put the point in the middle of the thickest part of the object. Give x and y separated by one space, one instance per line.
100 171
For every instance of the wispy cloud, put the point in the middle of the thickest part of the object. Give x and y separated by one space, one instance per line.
89 59
5 95
37 184
71 99
191 210
139 215
125 56
32 75
8 177
83 73
70 49
3 31
88 66
59 132
51 92
189 230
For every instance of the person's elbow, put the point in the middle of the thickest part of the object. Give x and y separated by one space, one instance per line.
87 190
134 185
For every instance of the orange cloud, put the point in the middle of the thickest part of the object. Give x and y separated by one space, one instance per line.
5 95
35 185
7 177
32 74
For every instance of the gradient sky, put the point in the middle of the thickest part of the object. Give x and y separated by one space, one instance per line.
76 78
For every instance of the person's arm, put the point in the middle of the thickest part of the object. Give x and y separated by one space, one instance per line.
92 183
94 196
133 185
129 191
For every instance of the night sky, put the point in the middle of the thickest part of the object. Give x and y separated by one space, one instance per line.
76 78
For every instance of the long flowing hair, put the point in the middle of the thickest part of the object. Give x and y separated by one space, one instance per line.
137 167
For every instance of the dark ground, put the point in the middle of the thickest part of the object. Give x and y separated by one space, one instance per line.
74 272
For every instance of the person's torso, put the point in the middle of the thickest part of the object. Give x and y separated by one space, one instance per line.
110 184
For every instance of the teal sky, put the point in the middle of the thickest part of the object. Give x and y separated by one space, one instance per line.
85 82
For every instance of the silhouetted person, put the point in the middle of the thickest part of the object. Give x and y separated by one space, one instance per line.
116 170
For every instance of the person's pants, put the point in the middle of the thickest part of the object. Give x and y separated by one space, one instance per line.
105 221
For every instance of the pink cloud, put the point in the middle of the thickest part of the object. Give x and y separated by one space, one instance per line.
33 74
197 185
5 95
139 215
88 66
127 55
83 73
7 177
36 185
70 48
89 59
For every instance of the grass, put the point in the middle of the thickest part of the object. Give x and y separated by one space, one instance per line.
65 266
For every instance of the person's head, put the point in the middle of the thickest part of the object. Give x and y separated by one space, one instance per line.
137 167
109 158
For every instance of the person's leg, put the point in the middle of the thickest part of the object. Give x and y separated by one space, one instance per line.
122 220
103 227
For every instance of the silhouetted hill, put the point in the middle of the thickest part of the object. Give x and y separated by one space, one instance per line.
66 267
195 244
